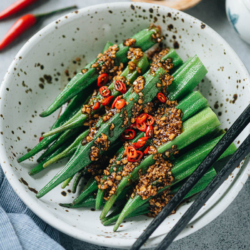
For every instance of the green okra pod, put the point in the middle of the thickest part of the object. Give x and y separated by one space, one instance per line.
81 157
69 134
78 119
204 122
184 166
82 81
189 106
145 208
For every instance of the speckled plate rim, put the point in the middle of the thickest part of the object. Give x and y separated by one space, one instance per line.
225 200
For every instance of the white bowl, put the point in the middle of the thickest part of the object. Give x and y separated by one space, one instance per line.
83 34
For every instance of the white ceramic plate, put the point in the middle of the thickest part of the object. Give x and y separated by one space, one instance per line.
83 34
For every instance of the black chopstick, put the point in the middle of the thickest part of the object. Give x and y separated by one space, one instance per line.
237 127
235 160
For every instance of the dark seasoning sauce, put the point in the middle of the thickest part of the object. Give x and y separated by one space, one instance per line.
113 179
26 184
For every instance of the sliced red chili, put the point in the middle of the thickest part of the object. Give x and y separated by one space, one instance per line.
104 91
120 86
161 97
150 120
41 138
138 157
115 101
149 131
128 134
141 142
146 150
120 104
96 106
102 79
107 100
141 118
124 88
131 152
141 126
133 125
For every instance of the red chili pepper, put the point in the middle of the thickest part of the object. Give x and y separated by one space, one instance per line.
107 100
23 24
138 157
120 104
124 88
146 150
128 134
149 131
131 152
102 79
133 125
41 138
104 91
115 101
120 86
141 142
141 118
16 7
161 97
150 120
96 106
141 126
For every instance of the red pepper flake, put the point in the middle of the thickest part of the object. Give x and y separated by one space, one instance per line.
41 138
133 126
141 118
161 97
141 142
128 134
115 101
120 104
150 120
138 157
107 100
131 152
146 150
102 79
104 91
141 126
149 131
96 106
120 86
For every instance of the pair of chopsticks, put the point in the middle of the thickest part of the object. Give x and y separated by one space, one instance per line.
242 121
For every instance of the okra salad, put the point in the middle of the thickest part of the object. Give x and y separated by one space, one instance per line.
132 128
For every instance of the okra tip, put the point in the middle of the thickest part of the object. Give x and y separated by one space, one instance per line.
116 227
46 113
43 114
